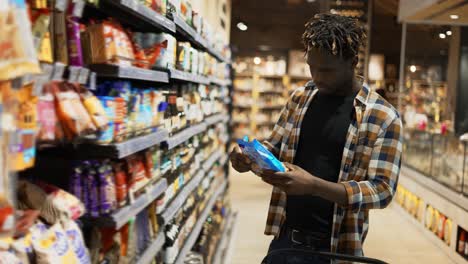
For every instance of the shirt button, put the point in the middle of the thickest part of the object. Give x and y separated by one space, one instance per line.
346 167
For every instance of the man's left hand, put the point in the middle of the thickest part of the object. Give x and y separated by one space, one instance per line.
295 181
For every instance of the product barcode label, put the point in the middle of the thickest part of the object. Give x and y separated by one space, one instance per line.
61 5
84 75
59 69
92 81
73 73
78 7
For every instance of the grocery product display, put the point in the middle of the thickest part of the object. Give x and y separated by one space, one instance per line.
260 93
114 122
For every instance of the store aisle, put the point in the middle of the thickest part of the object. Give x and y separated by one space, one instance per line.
392 237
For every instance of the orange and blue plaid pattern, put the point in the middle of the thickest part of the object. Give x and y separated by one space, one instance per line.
369 169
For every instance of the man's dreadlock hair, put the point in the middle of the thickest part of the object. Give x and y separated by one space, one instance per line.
339 35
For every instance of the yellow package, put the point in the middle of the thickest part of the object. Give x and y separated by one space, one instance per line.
17 54
54 247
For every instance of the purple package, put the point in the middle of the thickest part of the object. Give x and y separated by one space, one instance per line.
75 54
85 192
93 191
76 185
106 189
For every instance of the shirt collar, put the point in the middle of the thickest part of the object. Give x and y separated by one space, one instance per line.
361 97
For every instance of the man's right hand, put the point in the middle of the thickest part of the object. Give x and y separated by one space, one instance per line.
240 161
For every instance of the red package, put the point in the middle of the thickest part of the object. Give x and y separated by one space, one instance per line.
120 183
148 159
47 116
71 112
136 173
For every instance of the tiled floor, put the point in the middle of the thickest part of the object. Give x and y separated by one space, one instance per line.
391 237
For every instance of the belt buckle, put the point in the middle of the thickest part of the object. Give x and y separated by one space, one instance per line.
294 231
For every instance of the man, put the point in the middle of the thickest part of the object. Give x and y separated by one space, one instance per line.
341 143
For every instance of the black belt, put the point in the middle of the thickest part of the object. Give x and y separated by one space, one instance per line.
306 238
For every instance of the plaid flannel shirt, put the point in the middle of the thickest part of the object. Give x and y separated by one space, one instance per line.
369 169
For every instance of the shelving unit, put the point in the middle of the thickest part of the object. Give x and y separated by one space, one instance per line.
179 200
226 243
123 215
198 226
148 150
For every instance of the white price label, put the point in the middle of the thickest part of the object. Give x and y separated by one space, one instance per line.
61 5
132 4
73 73
59 69
84 75
92 81
78 8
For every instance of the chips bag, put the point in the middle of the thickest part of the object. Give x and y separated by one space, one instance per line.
260 155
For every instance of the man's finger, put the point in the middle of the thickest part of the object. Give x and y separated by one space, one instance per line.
290 166
277 180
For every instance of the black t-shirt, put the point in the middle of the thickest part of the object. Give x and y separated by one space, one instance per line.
320 149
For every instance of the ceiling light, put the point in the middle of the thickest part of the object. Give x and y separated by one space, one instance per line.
241 26
412 68
442 35
448 33
454 17
264 47
257 60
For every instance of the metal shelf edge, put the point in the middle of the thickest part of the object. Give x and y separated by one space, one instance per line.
153 249
134 73
177 203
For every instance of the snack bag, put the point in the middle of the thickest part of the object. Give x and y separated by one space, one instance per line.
63 201
53 247
76 241
23 248
93 106
73 115
17 53
47 117
260 155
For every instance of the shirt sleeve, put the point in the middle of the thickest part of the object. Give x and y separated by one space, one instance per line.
383 171
273 142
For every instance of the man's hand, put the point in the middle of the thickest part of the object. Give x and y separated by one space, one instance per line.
240 162
295 180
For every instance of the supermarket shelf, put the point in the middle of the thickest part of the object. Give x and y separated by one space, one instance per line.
266 124
300 78
243 106
271 92
272 76
217 118
179 200
184 135
191 34
187 76
271 107
220 82
123 215
211 160
148 256
192 238
133 73
139 10
123 149
226 239
243 75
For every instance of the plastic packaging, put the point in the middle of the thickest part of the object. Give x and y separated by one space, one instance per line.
76 241
260 155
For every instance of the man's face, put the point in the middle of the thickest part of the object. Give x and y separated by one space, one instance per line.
330 73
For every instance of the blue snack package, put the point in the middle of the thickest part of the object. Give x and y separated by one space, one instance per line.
260 155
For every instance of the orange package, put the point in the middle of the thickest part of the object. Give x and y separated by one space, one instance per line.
93 106
71 112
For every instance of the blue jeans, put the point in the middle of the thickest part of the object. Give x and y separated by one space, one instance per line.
283 242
